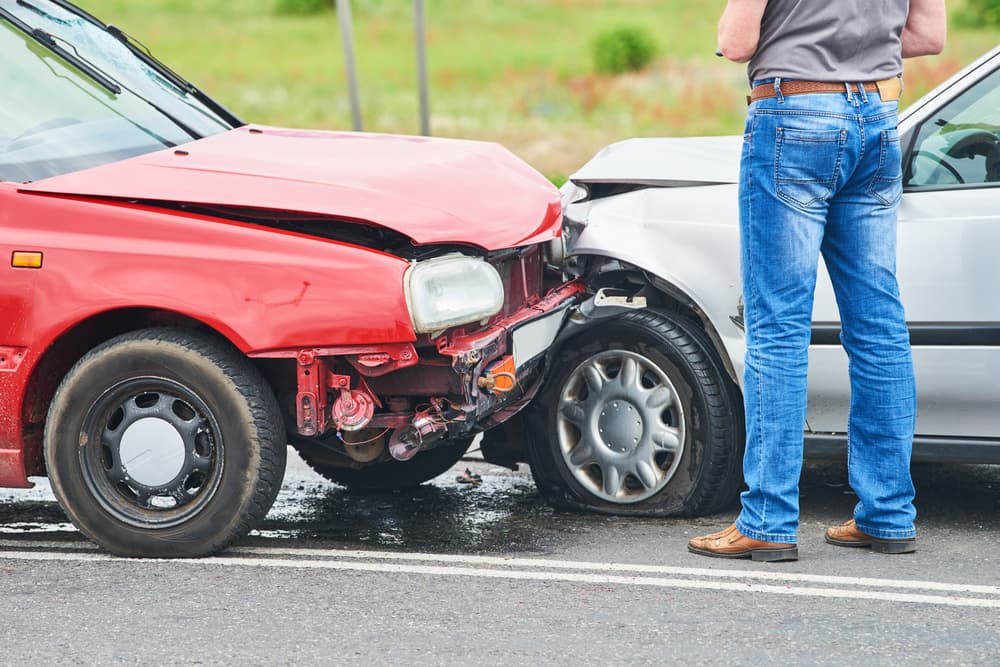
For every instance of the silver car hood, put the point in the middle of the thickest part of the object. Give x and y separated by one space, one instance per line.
678 161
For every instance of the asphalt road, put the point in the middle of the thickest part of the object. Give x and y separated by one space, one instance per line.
453 574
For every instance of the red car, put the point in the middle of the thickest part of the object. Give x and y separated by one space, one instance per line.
186 294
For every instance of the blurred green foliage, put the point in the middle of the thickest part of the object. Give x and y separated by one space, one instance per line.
980 13
557 179
623 49
302 7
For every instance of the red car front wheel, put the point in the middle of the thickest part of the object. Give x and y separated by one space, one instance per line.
164 443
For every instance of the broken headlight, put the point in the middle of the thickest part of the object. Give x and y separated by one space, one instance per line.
451 290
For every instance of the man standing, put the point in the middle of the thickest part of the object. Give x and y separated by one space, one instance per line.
820 173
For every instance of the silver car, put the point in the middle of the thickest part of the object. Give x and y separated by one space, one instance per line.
642 411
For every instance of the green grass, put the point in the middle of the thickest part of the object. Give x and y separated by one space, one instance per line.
516 71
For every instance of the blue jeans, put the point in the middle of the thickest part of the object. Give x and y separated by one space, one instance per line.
821 173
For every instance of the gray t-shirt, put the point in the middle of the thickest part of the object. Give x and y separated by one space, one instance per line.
830 40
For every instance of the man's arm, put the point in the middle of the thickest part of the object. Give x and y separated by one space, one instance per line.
926 28
739 29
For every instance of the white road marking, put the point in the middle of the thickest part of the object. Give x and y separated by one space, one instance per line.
32 527
518 574
626 567
75 545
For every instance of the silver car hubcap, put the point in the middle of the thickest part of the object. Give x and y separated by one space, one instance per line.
620 426
152 451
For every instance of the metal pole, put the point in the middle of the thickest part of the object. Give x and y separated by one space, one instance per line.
347 37
420 25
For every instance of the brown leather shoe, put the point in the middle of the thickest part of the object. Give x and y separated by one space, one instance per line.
847 534
731 543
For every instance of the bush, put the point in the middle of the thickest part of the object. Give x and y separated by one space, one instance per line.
981 13
302 7
623 49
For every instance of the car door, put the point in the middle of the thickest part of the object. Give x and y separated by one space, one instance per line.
948 269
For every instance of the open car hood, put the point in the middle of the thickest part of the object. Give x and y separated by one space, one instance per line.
431 190
671 161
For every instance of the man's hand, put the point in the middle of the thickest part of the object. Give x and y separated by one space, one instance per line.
739 29
926 28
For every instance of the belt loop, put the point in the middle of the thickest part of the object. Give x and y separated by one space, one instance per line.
847 87
864 93
777 90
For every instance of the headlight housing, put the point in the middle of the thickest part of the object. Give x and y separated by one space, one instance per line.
454 289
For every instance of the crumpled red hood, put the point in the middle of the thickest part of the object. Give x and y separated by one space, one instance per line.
432 190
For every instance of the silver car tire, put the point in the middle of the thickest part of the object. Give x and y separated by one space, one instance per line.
638 417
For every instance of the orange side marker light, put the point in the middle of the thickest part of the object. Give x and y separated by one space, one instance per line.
22 259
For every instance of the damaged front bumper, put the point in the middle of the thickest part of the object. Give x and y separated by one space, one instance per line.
503 360
417 395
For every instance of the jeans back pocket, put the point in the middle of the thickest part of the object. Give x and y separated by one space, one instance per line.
887 184
806 164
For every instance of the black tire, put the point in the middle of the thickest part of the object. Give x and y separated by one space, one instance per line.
389 475
702 422
157 404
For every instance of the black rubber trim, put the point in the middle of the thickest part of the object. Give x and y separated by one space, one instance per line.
946 334
950 187
604 188
925 448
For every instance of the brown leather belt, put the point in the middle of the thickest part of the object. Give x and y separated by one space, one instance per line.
888 89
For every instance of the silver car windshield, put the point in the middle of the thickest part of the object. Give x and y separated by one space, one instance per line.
97 104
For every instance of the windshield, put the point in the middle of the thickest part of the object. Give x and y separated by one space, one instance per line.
97 103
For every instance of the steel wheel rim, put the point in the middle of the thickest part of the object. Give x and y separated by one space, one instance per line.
151 452
620 426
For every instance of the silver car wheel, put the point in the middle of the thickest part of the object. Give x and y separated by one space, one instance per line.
620 426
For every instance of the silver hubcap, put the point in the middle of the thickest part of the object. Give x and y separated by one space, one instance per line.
152 452
620 426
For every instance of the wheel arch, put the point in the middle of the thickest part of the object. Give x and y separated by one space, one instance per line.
668 294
